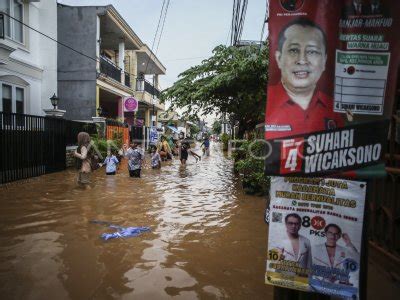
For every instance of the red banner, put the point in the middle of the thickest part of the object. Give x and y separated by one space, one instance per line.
333 65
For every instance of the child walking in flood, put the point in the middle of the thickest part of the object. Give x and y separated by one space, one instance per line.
205 145
155 158
111 163
184 149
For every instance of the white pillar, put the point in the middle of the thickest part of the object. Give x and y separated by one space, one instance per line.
98 43
121 57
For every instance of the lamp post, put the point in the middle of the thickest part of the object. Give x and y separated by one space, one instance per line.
55 112
54 101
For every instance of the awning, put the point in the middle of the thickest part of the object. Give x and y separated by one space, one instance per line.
174 129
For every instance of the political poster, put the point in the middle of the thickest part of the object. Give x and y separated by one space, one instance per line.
153 136
329 152
333 65
315 233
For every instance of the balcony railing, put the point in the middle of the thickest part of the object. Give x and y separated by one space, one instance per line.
127 79
108 68
144 85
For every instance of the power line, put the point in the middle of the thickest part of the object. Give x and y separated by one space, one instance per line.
162 13
186 58
238 19
162 27
242 18
265 21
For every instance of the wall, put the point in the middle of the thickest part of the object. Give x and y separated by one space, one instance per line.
35 62
48 50
77 73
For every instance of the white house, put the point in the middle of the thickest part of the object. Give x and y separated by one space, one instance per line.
28 60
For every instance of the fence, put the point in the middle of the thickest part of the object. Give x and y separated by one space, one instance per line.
30 146
136 133
114 128
34 145
384 208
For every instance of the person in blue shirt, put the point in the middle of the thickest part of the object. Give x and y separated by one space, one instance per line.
111 163
206 146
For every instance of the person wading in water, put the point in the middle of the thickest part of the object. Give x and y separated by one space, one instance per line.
83 158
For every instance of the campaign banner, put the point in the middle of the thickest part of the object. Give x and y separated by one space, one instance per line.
329 152
333 65
315 233
153 136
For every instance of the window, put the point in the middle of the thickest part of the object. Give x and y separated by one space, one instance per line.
18 13
5 7
7 99
12 28
19 99
12 98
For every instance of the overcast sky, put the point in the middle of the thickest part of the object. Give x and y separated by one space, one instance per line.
192 28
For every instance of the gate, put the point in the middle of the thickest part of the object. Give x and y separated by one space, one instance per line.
136 134
30 146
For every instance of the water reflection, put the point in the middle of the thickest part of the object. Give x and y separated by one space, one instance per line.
207 239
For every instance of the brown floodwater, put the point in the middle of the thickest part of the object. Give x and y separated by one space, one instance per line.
208 239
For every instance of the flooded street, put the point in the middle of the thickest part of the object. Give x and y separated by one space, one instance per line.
207 239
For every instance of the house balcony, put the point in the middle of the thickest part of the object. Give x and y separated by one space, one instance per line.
116 42
148 93
109 69
144 85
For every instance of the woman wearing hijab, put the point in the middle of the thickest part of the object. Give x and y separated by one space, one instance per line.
83 158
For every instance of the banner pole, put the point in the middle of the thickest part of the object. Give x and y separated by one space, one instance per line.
364 244
281 293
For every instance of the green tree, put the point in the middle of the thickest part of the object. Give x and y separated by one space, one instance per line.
232 81
217 127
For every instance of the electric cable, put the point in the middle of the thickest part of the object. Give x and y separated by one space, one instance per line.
162 27
265 21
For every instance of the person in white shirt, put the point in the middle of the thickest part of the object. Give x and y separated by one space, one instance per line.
333 256
155 159
293 246
111 163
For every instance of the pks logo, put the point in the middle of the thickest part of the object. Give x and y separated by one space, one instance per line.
318 222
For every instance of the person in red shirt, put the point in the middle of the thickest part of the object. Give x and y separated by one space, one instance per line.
295 106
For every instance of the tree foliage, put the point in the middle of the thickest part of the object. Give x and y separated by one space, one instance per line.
232 81
217 127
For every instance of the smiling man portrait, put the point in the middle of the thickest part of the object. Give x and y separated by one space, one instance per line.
295 105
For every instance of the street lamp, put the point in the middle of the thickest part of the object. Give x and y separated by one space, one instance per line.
99 111
54 101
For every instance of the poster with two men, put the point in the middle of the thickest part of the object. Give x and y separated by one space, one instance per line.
331 91
315 235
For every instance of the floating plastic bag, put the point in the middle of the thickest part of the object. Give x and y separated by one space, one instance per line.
124 232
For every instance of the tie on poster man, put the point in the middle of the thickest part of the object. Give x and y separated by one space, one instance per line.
331 92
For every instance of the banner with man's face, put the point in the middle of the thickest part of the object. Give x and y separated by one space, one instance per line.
333 71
